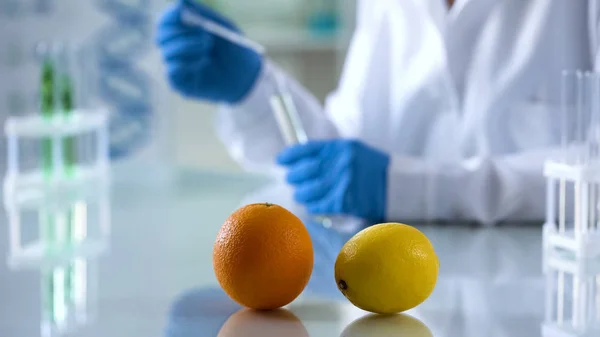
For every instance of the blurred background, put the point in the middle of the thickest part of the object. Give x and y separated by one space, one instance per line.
155 132
156 242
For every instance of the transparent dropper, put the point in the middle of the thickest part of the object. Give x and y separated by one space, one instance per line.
281 101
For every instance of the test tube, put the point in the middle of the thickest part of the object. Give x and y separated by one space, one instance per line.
550 302
562 206
569 83
592 147
593 83
579 137
286 113
47 92
550 202
66 97
598 298
577 299
592 134
589 300
560 300
594 94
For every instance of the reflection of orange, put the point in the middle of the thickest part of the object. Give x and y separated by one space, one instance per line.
252 323
263 256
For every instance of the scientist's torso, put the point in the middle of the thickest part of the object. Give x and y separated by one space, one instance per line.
478 78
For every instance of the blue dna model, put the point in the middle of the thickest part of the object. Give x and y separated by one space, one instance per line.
123 86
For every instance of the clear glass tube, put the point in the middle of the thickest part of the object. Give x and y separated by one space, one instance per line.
560 301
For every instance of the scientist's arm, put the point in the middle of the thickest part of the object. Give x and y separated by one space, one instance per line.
486 190
489 188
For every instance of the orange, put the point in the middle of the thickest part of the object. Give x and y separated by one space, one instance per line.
263 256
252 323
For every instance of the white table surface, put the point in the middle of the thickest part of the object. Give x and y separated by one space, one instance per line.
156 279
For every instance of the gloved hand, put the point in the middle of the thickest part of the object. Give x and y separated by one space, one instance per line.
202 65
338 177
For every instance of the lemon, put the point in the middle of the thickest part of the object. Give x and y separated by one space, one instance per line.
387 268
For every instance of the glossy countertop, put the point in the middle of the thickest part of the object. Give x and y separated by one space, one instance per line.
150 274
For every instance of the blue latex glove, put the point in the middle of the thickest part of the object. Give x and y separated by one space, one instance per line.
202 65
338 177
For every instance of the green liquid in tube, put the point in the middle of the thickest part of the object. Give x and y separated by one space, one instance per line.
47 106
49 220
69 150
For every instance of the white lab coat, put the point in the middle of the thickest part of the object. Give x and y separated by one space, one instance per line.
465 101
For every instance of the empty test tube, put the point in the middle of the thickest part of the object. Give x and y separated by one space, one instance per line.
594 144
598 298
560 301
569 84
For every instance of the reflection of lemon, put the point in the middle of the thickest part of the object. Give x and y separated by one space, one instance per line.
253 323
387 268
387 326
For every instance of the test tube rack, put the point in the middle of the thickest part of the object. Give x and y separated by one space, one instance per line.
573 174
19 183
572 307
56 189
64 143
58 168
572 213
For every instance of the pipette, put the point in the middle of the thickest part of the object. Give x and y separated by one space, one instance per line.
190 17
